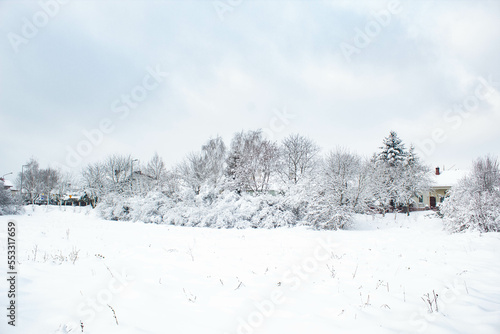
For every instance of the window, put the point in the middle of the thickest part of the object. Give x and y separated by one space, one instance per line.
421 199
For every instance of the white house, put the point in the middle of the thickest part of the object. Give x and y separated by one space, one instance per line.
442 181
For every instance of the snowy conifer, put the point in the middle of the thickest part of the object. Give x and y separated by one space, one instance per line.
393 151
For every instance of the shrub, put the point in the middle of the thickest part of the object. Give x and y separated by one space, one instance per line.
474 203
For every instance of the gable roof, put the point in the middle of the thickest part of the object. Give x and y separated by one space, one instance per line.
8 184
448 178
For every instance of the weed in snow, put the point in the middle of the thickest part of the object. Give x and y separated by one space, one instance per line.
114 313
191 297
430 301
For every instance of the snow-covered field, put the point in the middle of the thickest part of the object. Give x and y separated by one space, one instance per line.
75 268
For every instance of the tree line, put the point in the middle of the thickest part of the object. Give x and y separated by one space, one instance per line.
265 183
320 185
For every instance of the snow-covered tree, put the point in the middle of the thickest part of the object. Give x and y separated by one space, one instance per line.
393 151
8 204
214 154
361 194
397 174
412 179
298 158
154 177
251 162
474 203
205 168
111 176
194 172
339 173
31 181
94 182
49 179
338 191
156 171
64 185
118 172
380 184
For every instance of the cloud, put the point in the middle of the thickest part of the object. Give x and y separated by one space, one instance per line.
225 76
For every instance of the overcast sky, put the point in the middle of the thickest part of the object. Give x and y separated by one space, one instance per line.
165 76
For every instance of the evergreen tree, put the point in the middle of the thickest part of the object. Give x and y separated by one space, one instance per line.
390 171
393 152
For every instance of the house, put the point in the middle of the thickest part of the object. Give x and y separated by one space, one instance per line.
8 185
442 181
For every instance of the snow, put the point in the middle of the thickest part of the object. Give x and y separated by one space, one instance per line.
174 279
9 184
448 178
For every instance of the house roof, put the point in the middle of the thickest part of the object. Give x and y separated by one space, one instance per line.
9 185
448 178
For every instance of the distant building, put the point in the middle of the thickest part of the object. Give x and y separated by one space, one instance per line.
442 181
8 185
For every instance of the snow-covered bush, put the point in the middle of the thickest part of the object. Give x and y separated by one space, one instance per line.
114 207
230 210
273 212
474 203
326 214
148 208
210 209
8 204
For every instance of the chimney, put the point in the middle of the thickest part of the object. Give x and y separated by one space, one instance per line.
437 170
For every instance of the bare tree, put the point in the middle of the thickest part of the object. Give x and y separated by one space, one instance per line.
251 161
94 182
486 174
156 172
340 170
214 154
205 168
31 180
194 171
49 178
66 180
298 158
118 169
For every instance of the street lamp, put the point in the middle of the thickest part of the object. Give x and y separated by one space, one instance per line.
2 178
5 175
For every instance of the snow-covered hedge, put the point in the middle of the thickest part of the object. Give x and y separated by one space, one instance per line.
219 210
149 208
